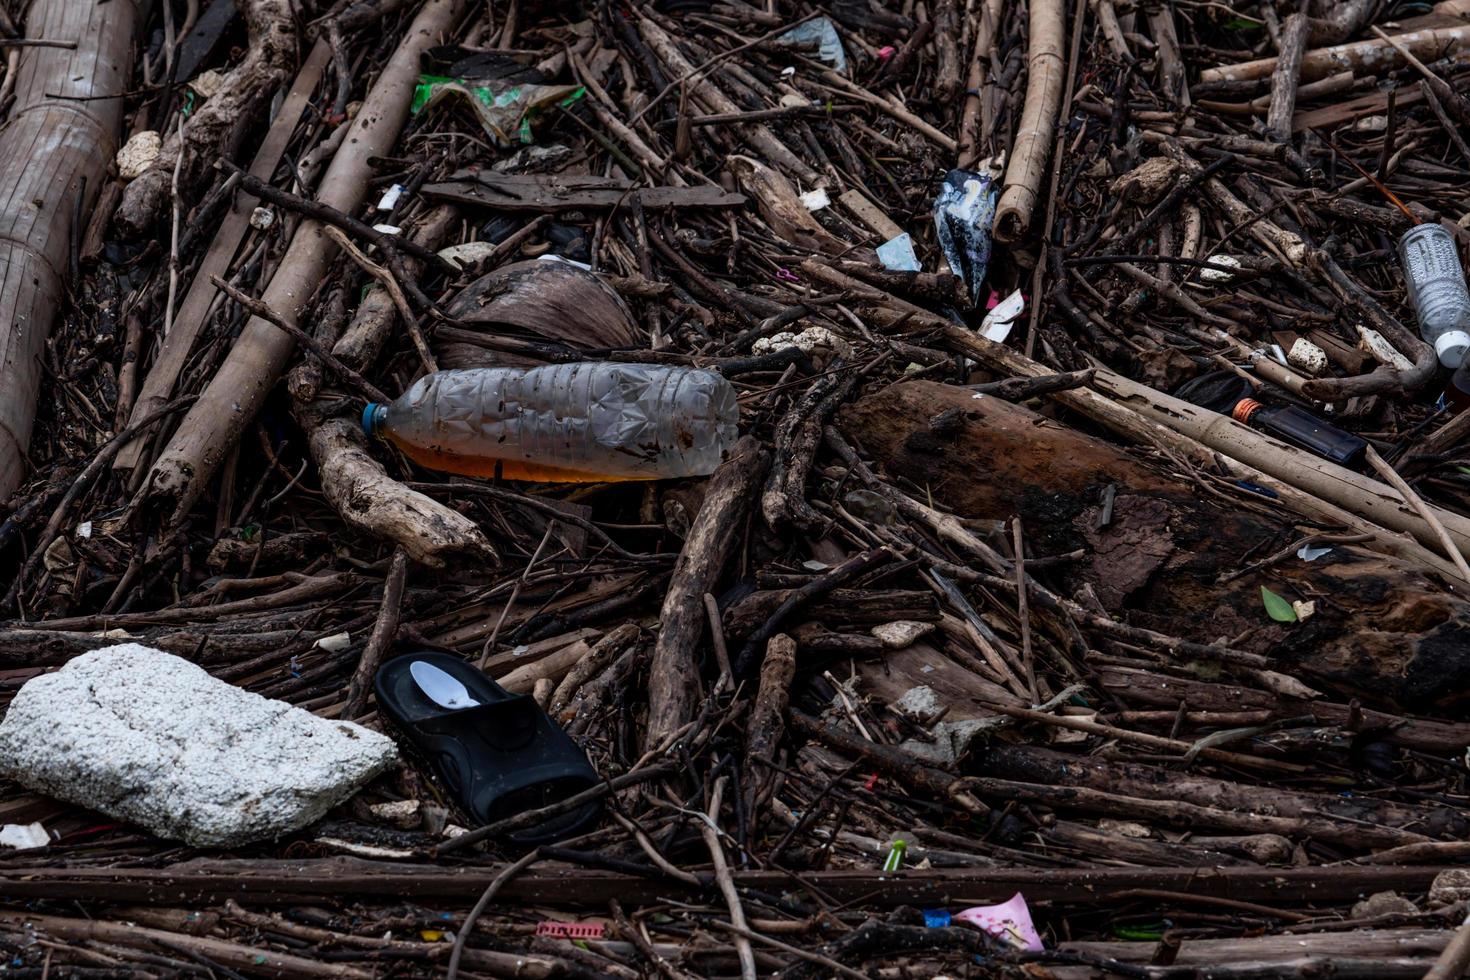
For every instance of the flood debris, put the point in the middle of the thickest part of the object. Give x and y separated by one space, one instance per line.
1064 570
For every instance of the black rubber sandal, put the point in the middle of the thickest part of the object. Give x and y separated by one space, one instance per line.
497 754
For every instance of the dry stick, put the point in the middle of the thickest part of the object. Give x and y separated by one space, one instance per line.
1033 141
1022 612
329 215
382 635
259 308
969 141
810 957
717 638
599 658
1453 962
1144 739
1284 79
673 685
259 355
173 250
79 486
199 298
1417 502
390 283
727 883
1438 86
490 891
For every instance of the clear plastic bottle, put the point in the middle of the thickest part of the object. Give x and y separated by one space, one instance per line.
1437 290
564 423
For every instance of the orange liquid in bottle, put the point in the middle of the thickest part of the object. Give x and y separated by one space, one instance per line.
505 469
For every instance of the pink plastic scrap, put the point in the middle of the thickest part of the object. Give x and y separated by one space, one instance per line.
1009 922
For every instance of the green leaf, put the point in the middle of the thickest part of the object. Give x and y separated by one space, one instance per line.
1138 933
1243 24
1276 607
1464 469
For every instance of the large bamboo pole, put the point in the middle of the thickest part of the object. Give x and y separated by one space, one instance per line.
261 352
56 145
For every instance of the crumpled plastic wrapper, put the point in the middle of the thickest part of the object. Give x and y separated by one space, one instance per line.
964 211
505 109
823 33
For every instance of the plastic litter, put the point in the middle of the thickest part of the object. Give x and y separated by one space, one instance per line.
564 423
998 322
390 197
1229 394
1437 291
1010 922
823 33
570 930
964 211
816 200
505 109
898 254
23 836
1307 553
896 851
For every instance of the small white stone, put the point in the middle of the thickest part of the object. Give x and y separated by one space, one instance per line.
400 813
1307 356
207 83
262 218
138 154
901 634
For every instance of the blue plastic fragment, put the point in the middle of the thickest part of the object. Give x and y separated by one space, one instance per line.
936 918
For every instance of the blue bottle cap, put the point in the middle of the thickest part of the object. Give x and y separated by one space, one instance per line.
371 416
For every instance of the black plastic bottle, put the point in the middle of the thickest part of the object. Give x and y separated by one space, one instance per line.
1229 394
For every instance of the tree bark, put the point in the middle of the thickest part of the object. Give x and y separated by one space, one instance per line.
56 146
1387 634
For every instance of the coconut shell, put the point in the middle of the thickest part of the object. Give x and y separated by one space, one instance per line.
550 300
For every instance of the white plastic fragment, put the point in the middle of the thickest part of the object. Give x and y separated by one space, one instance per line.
390 197
998 322
1307 356
84 529
816 200
23 836
262 218
1211 273
549 257
467 253
1307 553
138 154
898 254
1304 609
335 643
388 229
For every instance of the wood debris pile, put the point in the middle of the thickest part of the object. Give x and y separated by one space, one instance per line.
967 612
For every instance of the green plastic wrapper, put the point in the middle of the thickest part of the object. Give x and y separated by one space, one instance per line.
505 109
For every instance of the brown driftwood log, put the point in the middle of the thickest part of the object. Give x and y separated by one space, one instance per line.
1381 627
55 147
673 687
